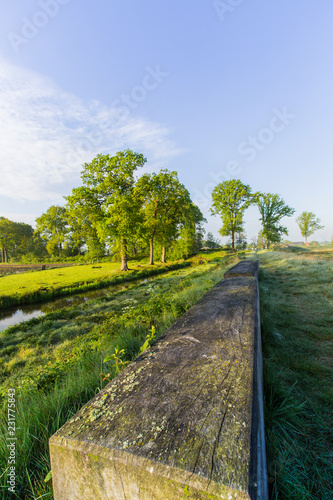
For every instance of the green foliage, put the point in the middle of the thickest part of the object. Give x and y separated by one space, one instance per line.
118 362
117 357
190 237
211 242
308 224
53 227
165 204
230 200
149 339
15 238
272 209
48 477
109 188
83 215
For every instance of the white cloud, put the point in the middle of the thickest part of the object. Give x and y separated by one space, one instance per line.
46 134
27 218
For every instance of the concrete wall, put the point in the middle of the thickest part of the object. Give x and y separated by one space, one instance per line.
185 419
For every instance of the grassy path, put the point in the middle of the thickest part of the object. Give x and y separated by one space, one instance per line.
296 294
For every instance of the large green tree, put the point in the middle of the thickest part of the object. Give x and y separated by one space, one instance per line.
230 200
272 209
165 201
53 227
109 191
308 224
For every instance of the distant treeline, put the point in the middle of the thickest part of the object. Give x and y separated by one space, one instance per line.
115 214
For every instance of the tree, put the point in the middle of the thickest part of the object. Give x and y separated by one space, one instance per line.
109 191
84 214
308 224
241 242
165 201
211 242
14 237
190 233
260 240
53 227
230 200
272 209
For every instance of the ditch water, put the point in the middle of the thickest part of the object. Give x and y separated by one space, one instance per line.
14 315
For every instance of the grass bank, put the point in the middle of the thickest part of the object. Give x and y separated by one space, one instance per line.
55 363
296 295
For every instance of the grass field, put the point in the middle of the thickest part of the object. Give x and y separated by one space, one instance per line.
41 286
38 286
296 294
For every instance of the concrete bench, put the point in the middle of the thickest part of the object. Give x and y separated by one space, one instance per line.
185 419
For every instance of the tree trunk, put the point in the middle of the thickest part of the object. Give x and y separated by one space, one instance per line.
163 255
306 241
60 249
151 259
134 251
267 244
123 252
79 250
233 241
2 254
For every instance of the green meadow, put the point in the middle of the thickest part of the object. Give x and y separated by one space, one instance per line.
39 286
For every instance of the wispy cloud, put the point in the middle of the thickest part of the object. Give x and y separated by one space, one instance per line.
47 134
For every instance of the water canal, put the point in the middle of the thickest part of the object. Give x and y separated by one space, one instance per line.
14 315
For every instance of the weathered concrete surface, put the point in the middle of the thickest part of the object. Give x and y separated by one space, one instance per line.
178 422
243 268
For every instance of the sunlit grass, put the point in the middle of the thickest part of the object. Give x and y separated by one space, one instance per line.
42 286
297 310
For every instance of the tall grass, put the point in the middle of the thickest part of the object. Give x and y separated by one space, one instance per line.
296 296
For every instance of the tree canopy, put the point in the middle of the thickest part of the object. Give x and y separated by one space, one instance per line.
83 215
272 209
14 237
308 224
165 202
53 227
230 200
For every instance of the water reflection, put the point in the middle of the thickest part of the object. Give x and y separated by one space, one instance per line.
11 317
14 315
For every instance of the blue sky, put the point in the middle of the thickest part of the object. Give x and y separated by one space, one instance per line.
212 89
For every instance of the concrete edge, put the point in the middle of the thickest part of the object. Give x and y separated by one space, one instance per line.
259 465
